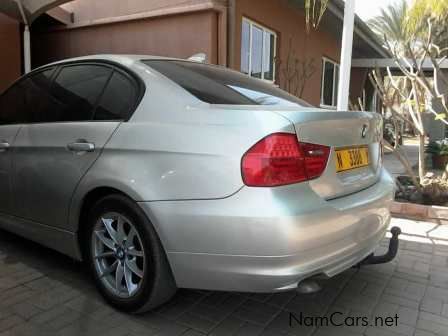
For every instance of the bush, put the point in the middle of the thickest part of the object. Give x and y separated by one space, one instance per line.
438 148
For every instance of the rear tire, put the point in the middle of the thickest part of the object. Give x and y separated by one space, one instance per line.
125 256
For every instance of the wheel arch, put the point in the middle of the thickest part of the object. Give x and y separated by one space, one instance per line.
87 202
164 285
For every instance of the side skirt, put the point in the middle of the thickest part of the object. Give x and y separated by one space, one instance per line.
62 241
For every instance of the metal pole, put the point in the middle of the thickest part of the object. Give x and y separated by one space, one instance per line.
27 49
26 39
346 55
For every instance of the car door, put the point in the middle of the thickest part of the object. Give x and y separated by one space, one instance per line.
61 141
11 109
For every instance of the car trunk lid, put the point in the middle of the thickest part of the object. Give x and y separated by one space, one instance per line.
341 131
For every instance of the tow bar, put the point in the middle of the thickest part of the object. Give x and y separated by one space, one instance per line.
391 253
311 285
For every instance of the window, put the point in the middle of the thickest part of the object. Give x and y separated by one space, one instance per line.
39 99
77 89
28 99
118 99
12 105
76 94
217 85
330 83
258 47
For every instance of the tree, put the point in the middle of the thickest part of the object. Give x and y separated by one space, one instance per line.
410 36
435 11
314 11
391 24
294 73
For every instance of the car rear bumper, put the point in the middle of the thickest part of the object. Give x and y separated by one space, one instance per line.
267 240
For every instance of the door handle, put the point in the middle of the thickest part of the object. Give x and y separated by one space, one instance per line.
81 146
4 145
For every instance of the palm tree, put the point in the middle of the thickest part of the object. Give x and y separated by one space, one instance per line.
404 25
391 24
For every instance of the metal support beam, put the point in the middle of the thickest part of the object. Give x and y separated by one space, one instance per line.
61 15
27 49
346 55
391 63
26 39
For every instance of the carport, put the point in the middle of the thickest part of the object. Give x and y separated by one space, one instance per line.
26 11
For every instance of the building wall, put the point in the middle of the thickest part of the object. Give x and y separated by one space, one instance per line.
289 23
358 79
186 34
88 10
358 75
175 36
10 55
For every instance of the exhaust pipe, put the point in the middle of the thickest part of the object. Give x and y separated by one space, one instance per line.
311 286
308 286
391 253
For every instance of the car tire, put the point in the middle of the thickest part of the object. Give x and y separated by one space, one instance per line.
126 257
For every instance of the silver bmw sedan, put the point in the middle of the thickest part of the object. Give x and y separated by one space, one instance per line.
163 174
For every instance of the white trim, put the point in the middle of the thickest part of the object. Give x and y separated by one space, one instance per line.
335 82
264 30
252 22
346 55
26 39
27 49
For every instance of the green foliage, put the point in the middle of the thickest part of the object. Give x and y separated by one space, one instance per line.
440 116
421 10
437 147
435 11
392 23
404 25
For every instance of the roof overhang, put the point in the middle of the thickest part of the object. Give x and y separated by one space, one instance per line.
383 63
365 42
27 11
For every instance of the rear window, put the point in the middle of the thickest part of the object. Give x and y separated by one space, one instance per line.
218 85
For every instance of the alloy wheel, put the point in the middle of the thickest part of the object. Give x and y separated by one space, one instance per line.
118 255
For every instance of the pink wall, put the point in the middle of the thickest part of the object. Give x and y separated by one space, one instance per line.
87 10
10 55
288 21
175 36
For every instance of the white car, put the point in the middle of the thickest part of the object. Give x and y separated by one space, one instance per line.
164 173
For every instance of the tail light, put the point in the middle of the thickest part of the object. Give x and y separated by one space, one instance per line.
280 159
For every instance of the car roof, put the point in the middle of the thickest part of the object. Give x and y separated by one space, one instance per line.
126 60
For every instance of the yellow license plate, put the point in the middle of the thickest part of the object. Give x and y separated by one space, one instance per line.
351 158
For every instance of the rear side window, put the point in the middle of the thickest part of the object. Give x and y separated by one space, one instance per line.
118 100
77 89
217 85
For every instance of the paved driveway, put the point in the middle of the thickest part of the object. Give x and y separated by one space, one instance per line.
394 166
45 293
